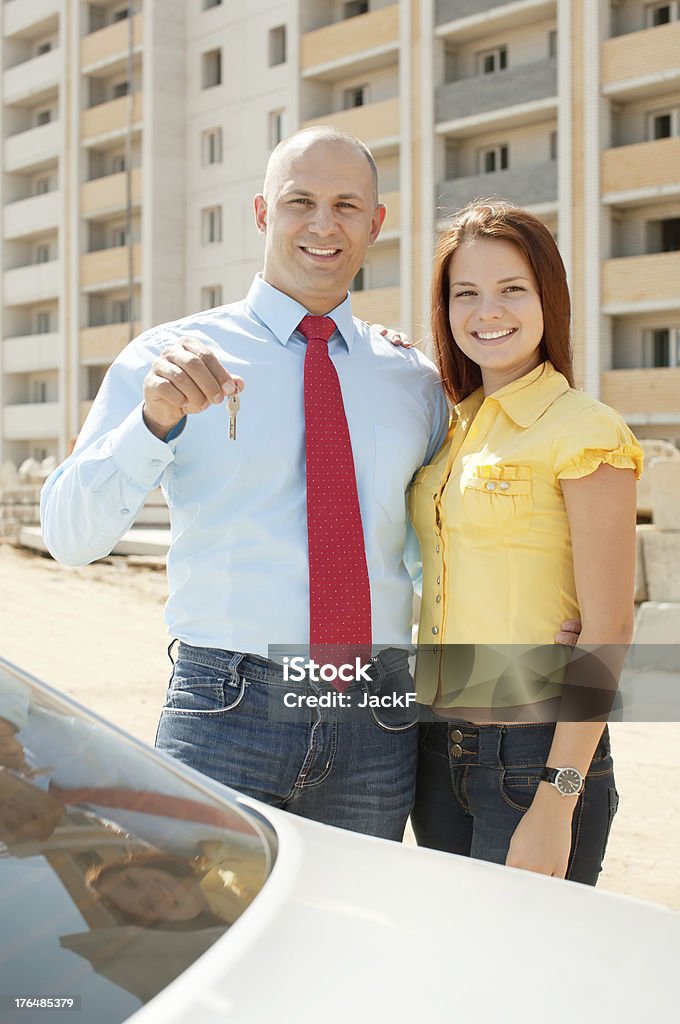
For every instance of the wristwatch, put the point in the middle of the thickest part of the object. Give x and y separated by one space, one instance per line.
567 781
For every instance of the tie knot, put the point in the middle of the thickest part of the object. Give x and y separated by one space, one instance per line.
318 328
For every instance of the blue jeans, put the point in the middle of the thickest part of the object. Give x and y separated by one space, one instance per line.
224 715
476 781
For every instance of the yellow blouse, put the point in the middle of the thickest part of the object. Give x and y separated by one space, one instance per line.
494 538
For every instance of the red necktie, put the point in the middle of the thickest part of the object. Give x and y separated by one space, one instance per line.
339 589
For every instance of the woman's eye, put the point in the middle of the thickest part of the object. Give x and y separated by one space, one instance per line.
514 288
462 295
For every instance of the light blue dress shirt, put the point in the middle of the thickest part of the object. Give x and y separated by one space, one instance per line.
237 564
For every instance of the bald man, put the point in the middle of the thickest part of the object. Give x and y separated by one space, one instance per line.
227 414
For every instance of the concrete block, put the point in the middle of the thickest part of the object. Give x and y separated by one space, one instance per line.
640 578
661 553
653 449
664 476
656 638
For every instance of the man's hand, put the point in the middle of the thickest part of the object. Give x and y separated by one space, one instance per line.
397 338
569 633
187 378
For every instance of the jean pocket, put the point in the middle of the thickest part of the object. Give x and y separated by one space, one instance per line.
200 690
518 787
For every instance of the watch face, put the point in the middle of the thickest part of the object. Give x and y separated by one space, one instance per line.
568 781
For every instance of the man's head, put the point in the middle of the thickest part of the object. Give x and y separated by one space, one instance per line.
319 213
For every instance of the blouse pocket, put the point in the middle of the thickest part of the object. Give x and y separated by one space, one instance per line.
499 497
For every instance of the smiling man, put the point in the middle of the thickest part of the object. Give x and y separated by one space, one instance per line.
288 523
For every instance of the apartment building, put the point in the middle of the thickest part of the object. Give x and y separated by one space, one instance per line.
134 135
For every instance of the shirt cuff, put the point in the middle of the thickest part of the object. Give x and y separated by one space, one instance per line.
138 453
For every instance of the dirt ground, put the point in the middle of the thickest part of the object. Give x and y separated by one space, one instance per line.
97 634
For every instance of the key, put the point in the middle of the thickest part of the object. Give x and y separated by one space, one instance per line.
233 405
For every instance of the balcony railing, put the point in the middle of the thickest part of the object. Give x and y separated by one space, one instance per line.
32 77
109 118
452 10
351 39
102 344
372 123
511 87
32 215
639 57
18 15
32 352
110 43
34 283
642 391
526 186
32 147
644 165
646 281
378 305
26 421
109 193
109 266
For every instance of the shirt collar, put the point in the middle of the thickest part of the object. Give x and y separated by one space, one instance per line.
519 400
281 314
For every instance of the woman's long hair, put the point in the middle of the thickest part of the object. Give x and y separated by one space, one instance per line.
494 218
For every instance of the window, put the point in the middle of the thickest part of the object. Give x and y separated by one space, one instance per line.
120 311
120 89
118 163
121 14
359 282
42 186
212 225
670 234
39 391
489 61
43 117
661 347
43 322
211 296
662 124
275 127
357 96
658 14
42 48
39 454
553 145
42 253
277 45
118 237
212 146
212 69
207 4
495 158
355 7
552 42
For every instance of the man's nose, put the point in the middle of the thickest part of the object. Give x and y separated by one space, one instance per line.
322 221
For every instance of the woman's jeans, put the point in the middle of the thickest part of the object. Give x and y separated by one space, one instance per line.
476 781
225 715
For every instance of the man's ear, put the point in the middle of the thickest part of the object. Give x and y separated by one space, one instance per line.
377 222
260 206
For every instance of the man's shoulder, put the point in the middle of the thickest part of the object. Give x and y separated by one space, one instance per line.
200 325
413 359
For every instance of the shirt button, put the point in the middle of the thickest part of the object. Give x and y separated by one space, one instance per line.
435 630
155 462
456 735
491 486
438 598
504 485
456 749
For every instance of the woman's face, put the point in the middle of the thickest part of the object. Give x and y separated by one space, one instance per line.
153 893
495 310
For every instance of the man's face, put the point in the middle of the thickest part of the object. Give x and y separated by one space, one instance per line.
318 218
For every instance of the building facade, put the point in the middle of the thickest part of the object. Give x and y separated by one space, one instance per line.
134 135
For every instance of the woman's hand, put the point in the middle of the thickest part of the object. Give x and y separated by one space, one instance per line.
542 840
397 338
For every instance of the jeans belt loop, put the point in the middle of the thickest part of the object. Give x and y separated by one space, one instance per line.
234 663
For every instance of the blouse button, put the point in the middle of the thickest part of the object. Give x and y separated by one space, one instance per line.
434 497
504 485
437 549
491 486
438 598
435 630
439 579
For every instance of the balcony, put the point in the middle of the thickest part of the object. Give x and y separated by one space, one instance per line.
641 63
110 118
375 124
33 147
102 344
107 194
530 84
470 19
33 420
452 10
109 267
34 283
635 392
109 44
33 215
365 42
33 78
646 169
378 305
32 352
19 15
526 186
639 283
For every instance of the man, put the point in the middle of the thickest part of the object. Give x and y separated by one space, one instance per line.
288 521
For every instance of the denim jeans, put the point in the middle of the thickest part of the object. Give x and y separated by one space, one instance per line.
356 769
475 783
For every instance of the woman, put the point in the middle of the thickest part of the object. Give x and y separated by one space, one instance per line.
526 518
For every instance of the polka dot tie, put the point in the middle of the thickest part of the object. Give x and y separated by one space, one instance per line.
339 589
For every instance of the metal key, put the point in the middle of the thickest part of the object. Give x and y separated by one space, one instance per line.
233 405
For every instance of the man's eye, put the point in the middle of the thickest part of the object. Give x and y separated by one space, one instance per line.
349 206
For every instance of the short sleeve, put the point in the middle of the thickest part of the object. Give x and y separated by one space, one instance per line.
597 435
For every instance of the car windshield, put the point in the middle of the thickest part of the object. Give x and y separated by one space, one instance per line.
117 869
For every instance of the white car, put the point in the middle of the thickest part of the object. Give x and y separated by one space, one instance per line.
132 888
